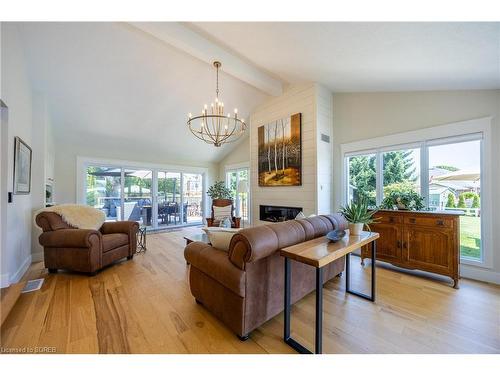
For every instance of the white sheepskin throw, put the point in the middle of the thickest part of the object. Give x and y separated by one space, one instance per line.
79 215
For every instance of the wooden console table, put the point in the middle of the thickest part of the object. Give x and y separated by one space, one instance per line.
319 253
422 240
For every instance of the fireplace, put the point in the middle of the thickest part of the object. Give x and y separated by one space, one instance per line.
278 213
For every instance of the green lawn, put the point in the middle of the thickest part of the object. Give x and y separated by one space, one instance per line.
470 236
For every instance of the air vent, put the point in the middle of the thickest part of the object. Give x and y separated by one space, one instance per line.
325 138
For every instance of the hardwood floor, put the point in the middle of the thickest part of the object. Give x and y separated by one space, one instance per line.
144 306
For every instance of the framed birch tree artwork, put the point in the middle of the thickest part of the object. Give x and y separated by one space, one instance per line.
280 153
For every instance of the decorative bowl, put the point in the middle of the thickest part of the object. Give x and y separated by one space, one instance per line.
336 235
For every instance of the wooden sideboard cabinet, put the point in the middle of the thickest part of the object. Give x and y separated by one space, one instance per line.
422 240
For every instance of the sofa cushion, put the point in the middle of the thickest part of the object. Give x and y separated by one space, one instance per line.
113 240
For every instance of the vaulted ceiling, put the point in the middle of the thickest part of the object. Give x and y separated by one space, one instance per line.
383 56
128 82
113 80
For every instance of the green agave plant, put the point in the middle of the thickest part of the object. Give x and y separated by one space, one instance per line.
358 212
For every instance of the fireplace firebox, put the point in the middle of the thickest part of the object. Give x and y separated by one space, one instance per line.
276 214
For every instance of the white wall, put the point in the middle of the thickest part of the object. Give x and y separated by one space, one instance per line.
359 116
324 151
16 94
69 148
42 166
308 99
238 156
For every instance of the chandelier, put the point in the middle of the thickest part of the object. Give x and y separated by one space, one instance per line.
212 126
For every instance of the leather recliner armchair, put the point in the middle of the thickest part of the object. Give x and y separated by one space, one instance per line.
84 250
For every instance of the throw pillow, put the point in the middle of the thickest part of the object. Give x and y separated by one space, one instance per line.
222 212
220 238
300 215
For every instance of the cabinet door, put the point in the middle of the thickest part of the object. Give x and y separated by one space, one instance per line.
389 243
429 249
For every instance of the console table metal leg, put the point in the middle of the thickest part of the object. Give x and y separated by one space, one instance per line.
348 275
286 333
319 310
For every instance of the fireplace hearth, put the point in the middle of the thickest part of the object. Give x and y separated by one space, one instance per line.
275 214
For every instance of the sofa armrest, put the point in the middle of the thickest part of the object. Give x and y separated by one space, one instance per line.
76 238
251 244
128 227
215 263
119 227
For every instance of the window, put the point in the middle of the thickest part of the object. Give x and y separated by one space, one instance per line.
362 178
236 178
446 171
401 170
455 183
153 197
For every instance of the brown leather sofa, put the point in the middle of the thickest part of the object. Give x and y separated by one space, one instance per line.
84 250
244 286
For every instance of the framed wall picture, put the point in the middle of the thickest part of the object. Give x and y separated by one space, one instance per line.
280 152
22 167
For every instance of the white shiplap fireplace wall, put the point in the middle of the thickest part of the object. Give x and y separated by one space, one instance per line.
315 195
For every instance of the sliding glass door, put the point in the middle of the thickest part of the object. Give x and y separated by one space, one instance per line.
169 198
153 198
192 188
137 196
104 190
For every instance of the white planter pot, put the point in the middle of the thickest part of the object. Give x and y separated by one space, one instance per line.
355 229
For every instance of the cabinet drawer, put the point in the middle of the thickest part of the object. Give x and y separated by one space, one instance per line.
435 222
388 219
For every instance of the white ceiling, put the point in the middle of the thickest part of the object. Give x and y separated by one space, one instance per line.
370 56
112 81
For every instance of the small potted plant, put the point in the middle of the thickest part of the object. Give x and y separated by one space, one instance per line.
219 191
403 200
358 215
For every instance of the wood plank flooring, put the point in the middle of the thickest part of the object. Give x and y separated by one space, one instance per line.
145 306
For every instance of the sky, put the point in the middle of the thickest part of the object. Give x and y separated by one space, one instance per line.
465 155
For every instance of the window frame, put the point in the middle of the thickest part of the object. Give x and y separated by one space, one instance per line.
470 130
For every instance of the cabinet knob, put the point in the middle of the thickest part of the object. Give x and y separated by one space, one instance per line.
399 244
412 220
391 219
440 223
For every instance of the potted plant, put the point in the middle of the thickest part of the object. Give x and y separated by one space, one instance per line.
403 200
358 215
219 191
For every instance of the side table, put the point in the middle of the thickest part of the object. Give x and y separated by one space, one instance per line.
141 239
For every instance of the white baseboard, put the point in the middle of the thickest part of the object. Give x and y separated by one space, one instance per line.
4 280
481 274
21 271
37 257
